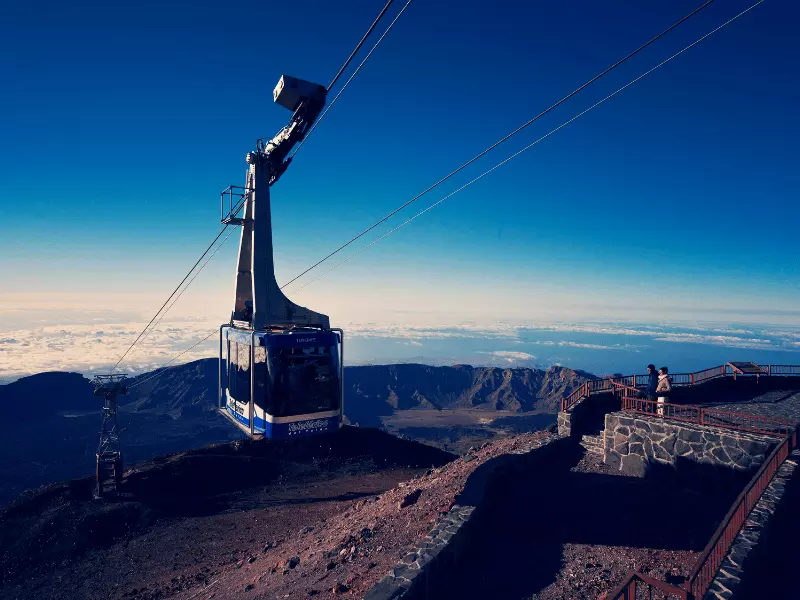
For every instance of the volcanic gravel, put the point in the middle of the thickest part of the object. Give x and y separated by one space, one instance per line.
347 554
589 570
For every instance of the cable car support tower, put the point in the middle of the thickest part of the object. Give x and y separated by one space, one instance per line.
108 473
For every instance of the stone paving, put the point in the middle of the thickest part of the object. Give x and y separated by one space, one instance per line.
730 572
778 404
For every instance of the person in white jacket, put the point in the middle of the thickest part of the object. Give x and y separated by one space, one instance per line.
663 389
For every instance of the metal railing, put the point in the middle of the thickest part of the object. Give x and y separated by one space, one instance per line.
716 550
677 379
781 369
639 582
708 417
710 560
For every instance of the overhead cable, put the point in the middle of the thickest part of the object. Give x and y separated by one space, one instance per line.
366 58
532 144
358 46
175 291
186 287
142 335
500 141
167 364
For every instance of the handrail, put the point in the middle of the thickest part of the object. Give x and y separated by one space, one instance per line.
628 588
709 561
716 550
709 417
678 379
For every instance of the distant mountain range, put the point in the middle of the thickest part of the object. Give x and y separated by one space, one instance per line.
51 423
373 391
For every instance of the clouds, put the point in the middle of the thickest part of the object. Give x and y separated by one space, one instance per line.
413 332
719 340
512 356
88 349
603 347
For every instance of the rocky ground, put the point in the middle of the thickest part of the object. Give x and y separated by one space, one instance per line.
187 520
347 554
328 518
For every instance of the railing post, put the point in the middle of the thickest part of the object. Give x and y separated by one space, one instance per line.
691 378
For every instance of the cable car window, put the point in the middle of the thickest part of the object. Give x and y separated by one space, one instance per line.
239 381
302 380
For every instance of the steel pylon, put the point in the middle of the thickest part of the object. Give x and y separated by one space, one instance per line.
108 472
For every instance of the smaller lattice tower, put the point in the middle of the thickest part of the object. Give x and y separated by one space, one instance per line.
109 454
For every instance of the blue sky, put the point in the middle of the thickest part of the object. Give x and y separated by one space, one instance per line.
677 199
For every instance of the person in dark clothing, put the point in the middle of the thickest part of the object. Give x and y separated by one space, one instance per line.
652 382
649 393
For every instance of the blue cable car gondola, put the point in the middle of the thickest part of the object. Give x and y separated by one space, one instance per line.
282 384
280 364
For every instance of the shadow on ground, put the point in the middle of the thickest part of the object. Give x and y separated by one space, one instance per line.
517 536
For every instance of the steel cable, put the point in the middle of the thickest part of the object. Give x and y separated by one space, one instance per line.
159 370
500 141
142 335
366 58
361 43
532 144
186 287
175 291
643 75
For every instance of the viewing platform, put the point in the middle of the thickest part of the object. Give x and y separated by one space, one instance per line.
738 420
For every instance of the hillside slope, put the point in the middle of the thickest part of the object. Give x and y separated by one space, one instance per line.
53 418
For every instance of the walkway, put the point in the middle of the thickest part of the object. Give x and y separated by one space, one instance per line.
771 570
575 527
781 404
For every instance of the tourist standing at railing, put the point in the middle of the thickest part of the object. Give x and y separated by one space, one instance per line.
663 389
649 393
652 382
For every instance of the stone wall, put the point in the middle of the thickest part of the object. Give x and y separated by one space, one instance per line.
634 443
586 417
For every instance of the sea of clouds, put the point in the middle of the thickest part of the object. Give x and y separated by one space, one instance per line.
95 347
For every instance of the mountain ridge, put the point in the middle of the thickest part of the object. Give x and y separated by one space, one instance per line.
51 434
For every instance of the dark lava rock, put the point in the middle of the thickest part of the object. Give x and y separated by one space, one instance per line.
410 499
340 588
